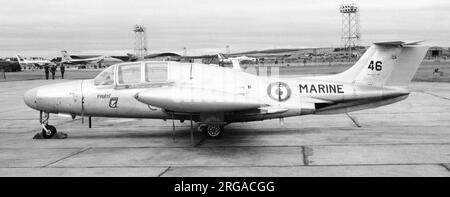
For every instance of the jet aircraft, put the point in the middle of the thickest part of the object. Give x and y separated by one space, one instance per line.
67 59
36 62
235 61
214 96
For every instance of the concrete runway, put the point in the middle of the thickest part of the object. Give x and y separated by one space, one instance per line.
409 138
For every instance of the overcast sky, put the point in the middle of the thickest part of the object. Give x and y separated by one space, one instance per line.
45 27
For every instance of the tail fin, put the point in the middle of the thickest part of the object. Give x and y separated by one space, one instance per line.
19 59
386 64
132 57
221 57
65 56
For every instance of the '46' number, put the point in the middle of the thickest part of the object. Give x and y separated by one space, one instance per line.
377 66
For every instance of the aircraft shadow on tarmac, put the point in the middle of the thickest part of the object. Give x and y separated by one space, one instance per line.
184 133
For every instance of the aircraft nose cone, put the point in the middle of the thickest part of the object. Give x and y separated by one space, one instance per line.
30 97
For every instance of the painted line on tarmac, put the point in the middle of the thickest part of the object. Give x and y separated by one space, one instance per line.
7 111
446 166
435 95
163 172
65 157
14 80
244 166
353 120
234 146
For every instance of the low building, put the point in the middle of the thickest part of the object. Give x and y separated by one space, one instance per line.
437 53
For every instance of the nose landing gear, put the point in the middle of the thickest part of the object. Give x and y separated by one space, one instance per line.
48 131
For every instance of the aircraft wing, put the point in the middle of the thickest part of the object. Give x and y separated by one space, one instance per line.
75 62
94 59
86 61
398 43
314 100
196 100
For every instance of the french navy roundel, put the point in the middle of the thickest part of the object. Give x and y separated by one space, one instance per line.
279 91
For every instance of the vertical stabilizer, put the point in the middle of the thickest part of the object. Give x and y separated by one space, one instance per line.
65 56
385 64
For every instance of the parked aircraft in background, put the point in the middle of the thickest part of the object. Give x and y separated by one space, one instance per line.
68 59
128 58
109 60
167 56
235 60
35 62
215 96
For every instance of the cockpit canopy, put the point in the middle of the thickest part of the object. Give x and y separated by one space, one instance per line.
133 73
106 77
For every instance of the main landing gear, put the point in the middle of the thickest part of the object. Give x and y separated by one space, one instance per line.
212 124
212 131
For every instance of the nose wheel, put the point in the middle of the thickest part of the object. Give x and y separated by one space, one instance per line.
48 131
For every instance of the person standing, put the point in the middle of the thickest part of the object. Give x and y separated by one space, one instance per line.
63 69
53 70
46 71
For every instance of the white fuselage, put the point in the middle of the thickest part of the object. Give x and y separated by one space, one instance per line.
195 89
42 62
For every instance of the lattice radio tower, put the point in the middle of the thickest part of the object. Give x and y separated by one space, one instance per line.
184 51
140 41
351 35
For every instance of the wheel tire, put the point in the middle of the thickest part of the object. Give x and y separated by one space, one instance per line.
213 131
51 129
